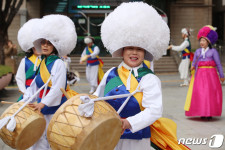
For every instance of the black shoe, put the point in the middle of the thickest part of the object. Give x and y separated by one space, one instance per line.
209 118
203 118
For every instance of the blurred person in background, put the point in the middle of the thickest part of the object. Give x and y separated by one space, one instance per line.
185 48
94 64
10 51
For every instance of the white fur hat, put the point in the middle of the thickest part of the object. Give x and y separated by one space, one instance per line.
135 24
24 36
184 31
59 30
87 40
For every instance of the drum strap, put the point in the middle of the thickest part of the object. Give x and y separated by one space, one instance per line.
44 73
36 62
147 63
124 75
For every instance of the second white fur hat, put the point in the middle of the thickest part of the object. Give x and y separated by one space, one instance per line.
184 31
24 36
135 24
59 30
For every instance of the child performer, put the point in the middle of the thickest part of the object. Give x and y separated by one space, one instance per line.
53 41
28 65
206 97
135 39
185 48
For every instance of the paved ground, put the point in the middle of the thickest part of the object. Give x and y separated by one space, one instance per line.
173 101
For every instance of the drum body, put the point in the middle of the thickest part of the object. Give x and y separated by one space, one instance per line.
30 126
68 130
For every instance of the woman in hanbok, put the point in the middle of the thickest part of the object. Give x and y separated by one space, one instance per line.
205 96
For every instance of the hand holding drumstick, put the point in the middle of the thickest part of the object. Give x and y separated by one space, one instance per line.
36 106
125 125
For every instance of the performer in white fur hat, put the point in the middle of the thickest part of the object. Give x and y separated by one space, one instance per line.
54 37
145 36
185 48
28 65
94 72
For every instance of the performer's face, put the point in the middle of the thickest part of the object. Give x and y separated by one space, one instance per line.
184 35
204 43
46 47
133 56
89 44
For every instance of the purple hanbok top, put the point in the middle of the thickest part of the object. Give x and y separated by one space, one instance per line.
210 55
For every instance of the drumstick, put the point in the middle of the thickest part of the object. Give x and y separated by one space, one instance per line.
64 92
6 102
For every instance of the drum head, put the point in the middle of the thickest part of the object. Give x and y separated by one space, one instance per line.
33 129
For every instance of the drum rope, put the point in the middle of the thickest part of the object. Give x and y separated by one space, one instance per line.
59 144
68 120
60 133
78 117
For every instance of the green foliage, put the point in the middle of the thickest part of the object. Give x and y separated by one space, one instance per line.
193 50
4 70
21 53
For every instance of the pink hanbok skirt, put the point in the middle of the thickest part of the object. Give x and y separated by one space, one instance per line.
207 92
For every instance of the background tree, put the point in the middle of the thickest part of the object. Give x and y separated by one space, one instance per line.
9 9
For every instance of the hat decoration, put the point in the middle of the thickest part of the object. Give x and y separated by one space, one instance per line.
25 34
208 32
135 24
59 30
